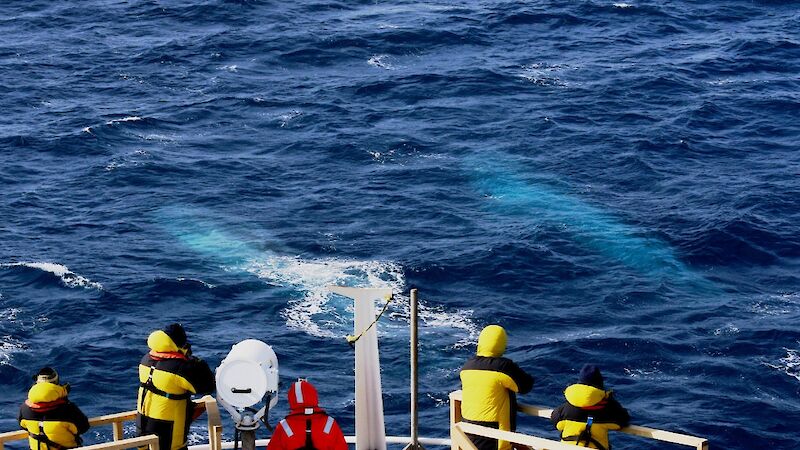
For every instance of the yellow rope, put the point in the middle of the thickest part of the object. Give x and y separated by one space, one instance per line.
352 339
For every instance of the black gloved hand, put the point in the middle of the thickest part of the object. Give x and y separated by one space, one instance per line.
187 350
67 387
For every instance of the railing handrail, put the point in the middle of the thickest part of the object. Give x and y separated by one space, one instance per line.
117 419
527 440
636 430
150 440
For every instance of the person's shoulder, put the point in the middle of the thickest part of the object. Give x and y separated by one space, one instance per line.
24 409
493 363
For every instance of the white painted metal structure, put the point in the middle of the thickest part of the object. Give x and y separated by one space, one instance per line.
370 429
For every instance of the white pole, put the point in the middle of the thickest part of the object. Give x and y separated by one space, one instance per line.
414 366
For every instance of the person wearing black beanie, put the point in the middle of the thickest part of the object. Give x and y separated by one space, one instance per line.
168 376
589 412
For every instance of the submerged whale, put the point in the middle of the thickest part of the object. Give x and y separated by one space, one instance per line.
513 194
311 308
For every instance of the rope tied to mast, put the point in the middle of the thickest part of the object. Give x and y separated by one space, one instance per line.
351 339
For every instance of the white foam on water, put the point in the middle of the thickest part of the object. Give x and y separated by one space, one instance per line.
9 346
777 304
133 159
544 74
623 5
650 373
727 330
124 119
789 364
196 280
10 314
287 117
380 62
230 68
316 314
69 278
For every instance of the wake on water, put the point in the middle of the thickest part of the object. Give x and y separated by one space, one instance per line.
315 310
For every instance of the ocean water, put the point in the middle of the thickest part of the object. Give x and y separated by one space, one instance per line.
616 183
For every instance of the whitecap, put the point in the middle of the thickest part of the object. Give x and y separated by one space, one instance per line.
623 5
544 74
196 280
643 373
133 158
380 62
286 117
124 119
728 330
9 346
69 278
789 364
10 314
230 68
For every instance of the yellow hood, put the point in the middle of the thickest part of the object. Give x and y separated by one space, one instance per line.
160 341
492 341
582 395
46 392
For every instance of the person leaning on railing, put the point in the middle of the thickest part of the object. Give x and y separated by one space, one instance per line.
51 420
589 412
168 377
489 384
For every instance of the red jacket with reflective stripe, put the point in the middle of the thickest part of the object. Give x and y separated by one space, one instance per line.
290 433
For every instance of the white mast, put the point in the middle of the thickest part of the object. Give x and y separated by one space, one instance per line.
370 428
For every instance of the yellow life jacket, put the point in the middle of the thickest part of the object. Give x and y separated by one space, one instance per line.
167 381
52 421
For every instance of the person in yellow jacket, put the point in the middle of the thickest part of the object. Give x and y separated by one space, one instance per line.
51 420
489 384
168 376
589 412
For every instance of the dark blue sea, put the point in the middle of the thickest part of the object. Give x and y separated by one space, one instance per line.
614 183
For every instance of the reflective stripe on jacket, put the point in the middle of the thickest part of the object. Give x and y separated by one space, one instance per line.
307 426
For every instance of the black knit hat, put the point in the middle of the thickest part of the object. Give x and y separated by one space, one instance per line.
46 375
176 332
590 375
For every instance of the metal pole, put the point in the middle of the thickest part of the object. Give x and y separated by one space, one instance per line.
414 366
248 439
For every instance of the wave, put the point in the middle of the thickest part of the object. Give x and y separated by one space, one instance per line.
9 346
789 364
125 119
67 277
380 61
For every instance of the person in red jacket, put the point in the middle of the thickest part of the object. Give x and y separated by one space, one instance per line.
307 426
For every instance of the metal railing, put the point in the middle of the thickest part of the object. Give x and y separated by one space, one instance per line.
151 441
459 430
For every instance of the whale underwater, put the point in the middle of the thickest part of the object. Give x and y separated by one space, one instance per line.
537 202
311 307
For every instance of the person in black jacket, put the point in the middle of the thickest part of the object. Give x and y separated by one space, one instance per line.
51 420
168 377
589 412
